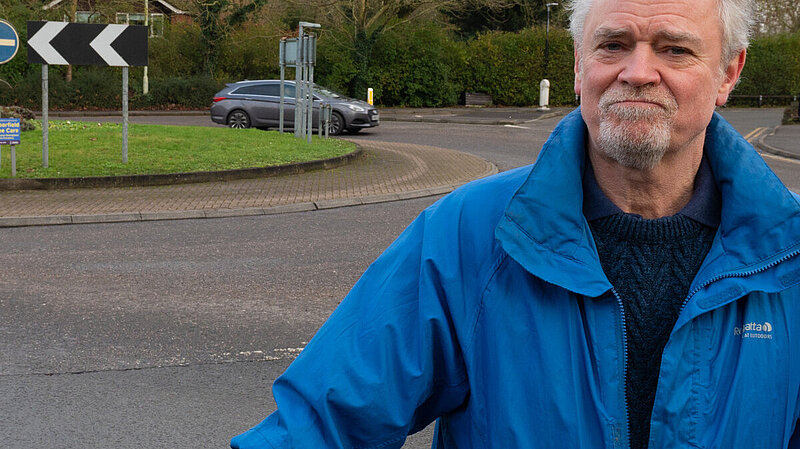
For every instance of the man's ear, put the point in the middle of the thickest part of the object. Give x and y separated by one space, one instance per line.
577 70
731 77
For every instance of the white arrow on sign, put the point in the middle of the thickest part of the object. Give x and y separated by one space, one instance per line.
40 42
102 45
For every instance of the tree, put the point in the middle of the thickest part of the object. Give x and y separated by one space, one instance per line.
217 18
777 16
470 21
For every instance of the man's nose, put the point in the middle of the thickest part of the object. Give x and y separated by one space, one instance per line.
641 68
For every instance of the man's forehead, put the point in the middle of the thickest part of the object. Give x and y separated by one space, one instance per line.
672 20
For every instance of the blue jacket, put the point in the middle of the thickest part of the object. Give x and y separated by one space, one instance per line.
491 312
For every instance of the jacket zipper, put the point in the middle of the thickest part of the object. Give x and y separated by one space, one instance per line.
617 444
740 274
683 306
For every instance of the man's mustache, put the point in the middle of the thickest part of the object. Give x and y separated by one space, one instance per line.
609 101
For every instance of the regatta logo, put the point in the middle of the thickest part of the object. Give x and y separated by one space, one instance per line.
754 330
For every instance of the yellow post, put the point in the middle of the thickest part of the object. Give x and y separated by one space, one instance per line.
369 97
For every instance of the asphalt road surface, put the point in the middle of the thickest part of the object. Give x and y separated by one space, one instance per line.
169 334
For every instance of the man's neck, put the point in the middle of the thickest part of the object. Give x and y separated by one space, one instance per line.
655 193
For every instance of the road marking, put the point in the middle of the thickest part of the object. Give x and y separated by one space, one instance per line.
516 126
276 354
780 158
754 134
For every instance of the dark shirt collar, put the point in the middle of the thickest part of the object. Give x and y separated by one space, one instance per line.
705 206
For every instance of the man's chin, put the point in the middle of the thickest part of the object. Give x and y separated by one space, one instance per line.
635 130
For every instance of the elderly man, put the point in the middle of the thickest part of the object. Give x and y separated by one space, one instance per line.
636 287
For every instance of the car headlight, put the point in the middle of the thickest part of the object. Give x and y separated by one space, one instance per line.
355 108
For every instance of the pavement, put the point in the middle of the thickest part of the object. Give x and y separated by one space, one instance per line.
385 171
782 141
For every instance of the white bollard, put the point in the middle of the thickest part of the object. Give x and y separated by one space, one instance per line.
544 95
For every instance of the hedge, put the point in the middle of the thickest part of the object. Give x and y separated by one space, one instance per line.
101 88
510 66
772 68
418 67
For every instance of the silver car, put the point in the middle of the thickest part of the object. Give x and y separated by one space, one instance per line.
246 104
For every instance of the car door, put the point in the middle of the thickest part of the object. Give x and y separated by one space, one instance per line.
253 102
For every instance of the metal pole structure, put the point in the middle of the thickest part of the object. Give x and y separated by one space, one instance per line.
45 122
13 160
303 60
309 123
303 85
297 80
282 60
125 115
145 82
547 41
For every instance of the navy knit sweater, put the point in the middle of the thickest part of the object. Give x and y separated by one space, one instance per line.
651 264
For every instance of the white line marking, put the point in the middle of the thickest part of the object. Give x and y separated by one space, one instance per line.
780 158
516 126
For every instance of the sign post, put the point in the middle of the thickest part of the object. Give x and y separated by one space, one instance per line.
9 44
301 53
64 43
10 135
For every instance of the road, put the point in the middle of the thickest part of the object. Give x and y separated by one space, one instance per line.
169 334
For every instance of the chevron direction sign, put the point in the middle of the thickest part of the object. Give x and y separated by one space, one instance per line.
63 43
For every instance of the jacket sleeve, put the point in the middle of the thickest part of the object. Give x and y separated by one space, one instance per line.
385 364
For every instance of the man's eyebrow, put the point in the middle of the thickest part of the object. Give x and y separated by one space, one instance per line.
678 36
605 33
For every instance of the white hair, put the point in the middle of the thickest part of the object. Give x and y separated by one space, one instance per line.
735 16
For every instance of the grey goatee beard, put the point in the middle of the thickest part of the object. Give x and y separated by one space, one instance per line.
635 136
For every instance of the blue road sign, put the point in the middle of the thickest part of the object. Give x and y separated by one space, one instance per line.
9 41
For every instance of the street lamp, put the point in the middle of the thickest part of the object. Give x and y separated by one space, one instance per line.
544 86
547 39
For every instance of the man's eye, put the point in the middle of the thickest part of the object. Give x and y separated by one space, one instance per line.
677 51
612 46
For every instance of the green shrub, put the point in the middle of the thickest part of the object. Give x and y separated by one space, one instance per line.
416 66
179 53
791 114
772 68
510 66
195 92
26 116
249 52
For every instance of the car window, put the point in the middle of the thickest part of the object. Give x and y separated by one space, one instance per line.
327 92
253 89
273 90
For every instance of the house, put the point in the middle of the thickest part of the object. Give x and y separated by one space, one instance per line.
126 11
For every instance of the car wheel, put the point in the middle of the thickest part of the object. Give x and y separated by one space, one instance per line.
238 119
337 124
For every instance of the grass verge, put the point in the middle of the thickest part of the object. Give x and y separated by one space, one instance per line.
78 149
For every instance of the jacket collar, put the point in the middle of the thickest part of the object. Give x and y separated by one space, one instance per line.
545 231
